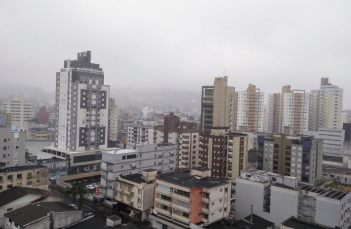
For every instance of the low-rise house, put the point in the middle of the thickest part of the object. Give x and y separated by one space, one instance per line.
43 215
31 176
17 197
135 193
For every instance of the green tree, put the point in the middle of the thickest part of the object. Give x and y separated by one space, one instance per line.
72 191
82 191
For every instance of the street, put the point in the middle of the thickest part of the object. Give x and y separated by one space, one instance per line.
88 207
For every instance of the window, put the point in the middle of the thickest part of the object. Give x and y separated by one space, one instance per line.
19 176
9 186
9 177
29 175
29 182
5 140
1 178
0 187
4 148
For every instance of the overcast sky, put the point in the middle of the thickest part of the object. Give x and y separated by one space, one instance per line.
180 44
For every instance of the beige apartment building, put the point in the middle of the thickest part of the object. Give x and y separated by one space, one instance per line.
34 176
218 105
20 110
290 108
136 192
192 199
40 135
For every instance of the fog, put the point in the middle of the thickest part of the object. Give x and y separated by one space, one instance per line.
180 45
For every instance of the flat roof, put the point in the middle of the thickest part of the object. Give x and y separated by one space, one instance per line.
136 178
97 223
295 223
186 180
75 152
121 151
33 212
22 168
79 176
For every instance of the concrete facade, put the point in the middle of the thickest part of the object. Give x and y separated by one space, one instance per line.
112 123
180 205
35 176
133 160
20 110
333 144
277 198
12 147
82 102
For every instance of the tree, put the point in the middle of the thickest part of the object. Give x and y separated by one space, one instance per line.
82 191
72 191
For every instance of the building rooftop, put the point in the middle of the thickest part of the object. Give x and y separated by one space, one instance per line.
295 223
48 160
80 175
22 168
324 192
33 212
97 223
257 222
201 169
16 192
183 178
236 134
121 151
136 178
149 170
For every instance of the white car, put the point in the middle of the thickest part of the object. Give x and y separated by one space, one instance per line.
90 187
88 214
73 205
94 185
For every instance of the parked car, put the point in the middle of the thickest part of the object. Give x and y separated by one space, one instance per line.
88 214
90 187
94 185
73 206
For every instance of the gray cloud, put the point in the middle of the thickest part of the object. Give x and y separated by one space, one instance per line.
180 44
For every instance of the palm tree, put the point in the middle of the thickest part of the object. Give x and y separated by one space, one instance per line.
82 191
72 191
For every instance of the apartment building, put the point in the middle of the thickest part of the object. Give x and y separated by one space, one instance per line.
112 123
249 108
193 198
12 147
43 115
5 119
21 111
35 176
133 160
140 135
333 144
82 102
288 108
188 136
297 156
218 105
40 134
326 107
224 152
276 198
135 193
185 134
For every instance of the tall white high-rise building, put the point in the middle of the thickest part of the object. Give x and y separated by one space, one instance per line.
250 109
288 109
81 105
21 111
326 107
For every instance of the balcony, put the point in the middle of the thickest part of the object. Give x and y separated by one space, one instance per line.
181 218
158 190
181 197
205 210
162 211
130 203
118 189
206 199
162 201
160 155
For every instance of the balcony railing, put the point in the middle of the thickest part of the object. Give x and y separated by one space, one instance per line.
130 203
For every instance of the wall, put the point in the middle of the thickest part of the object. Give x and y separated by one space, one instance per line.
64 219
195 201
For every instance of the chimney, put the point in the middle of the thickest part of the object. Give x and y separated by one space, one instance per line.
149 175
